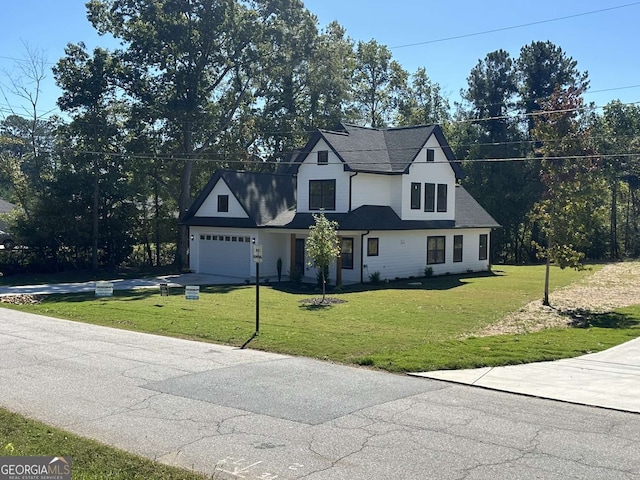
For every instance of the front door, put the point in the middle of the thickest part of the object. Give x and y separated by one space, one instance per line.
299 256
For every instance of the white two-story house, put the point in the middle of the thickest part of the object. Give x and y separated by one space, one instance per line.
394 193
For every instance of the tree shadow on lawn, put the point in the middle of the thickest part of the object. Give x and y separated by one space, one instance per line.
440 282
137 294
581 318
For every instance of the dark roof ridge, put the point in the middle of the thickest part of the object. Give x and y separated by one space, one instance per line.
334 132
253 172
387 129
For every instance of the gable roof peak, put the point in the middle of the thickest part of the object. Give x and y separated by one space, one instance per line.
387 151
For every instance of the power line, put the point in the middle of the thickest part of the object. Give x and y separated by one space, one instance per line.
236 157
508 116
513 27
225 155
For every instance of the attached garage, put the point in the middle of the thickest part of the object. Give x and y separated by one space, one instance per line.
223 254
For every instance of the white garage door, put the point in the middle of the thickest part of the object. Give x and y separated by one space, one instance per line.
225 255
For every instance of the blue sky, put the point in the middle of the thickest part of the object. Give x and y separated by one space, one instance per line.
604 43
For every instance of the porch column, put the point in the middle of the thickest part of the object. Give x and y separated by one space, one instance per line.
339 264
292 256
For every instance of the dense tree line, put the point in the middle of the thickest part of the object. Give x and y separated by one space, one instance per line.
198 85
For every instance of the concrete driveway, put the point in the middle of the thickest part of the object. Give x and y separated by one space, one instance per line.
609 379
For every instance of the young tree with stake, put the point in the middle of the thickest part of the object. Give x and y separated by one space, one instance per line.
323 246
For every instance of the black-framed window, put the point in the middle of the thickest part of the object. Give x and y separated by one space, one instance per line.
429 197
223 203
457 248
431 155
483 247
322 194
435 249
415 196
323 157
442 197
346 253
373 245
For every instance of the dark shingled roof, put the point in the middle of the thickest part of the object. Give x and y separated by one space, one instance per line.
469 214
366 217
263 196
386 151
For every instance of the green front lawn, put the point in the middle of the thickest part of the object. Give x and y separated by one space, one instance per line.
397 327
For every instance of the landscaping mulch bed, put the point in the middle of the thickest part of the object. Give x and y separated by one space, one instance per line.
320 301
22 299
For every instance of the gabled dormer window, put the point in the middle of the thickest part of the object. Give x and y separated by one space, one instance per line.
431 154
323 157
223 203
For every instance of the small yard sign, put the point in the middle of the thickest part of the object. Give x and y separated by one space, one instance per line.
257 253
104 289
192 292
164 290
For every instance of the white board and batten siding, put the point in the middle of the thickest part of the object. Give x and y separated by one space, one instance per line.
404 254
209 207
439 172
220 251
370 189
334 170
274 246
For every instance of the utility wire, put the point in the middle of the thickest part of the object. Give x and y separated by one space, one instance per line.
508 116
224 157
14 59
513 27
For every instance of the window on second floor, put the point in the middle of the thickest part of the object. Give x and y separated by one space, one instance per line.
415 196
223 203
442 197
323 157
429 197
322 194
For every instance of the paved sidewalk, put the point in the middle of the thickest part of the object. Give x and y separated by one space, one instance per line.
609 379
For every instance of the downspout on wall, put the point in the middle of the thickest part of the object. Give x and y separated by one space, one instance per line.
351 188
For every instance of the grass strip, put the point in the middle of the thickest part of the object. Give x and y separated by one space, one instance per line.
91 460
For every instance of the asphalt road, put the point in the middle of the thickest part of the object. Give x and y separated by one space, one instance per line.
243 414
